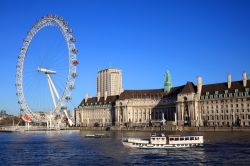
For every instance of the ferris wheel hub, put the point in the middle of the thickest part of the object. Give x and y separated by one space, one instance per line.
45 70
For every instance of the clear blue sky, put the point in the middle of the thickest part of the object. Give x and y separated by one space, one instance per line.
210 38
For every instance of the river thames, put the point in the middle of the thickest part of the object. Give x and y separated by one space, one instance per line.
72 148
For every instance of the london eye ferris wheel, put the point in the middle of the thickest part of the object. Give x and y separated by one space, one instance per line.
59 96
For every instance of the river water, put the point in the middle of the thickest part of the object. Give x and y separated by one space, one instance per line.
72 148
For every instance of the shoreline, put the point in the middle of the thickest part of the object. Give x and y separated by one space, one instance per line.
142 129
172 129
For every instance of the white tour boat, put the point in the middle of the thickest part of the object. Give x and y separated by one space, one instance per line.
160 141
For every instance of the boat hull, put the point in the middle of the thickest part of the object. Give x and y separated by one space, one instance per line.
167 146
162 142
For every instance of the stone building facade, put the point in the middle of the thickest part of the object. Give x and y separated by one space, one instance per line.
226 104
142 107
96 111
220 104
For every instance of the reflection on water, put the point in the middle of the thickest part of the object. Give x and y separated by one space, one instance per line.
72 148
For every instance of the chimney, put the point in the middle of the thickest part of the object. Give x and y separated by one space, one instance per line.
86 97
244 74
229 81
105 95
98 96
199 84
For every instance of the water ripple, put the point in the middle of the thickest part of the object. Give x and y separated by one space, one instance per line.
72 148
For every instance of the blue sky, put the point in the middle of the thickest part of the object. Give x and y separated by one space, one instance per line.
141 37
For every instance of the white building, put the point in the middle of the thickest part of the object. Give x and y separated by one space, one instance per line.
96 111
109 81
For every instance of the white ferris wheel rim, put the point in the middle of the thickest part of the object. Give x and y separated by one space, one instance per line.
50 20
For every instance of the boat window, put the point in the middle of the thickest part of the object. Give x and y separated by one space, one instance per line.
162 138
181 138
191 138
186 138
171 139
176 139
196 138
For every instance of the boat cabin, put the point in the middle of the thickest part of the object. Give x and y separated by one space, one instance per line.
186 139
158 139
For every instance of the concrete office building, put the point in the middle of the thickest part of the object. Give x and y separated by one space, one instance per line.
109 81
